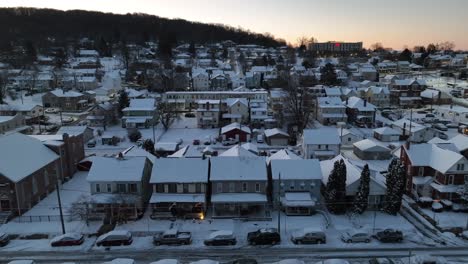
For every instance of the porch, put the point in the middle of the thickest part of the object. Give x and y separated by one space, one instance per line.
240 205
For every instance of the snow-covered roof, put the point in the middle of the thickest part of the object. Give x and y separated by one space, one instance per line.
274 132
408 82
238 169
283 154
128 169
180 171
220 233
370 145
460 141
21 155
387 131
134 151
232 101
187 152
333 92
322 136
233 126
72 130
62 93
431 155
296 169
250 147
406 123
142 104
237 151
166 261
330 102
352 172
357 103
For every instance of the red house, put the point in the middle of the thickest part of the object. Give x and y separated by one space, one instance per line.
434 170
236 131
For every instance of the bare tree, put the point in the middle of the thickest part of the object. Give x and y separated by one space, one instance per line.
377 47
167 114
446 45
299 105
80 208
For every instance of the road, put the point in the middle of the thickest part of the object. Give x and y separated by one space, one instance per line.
266 254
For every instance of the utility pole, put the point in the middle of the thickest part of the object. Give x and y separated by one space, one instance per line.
60 206
279 198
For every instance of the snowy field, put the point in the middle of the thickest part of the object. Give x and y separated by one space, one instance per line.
448 219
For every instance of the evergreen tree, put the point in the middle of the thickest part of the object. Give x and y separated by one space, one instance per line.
341 189
148 145
192 49
361 200
396 181
328 75
124 101
331 188
463 192
406 55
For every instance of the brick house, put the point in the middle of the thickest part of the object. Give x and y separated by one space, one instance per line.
68 101
407 92
236 131
28 172
103 114
434 171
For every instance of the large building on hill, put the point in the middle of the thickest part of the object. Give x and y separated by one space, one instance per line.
334 46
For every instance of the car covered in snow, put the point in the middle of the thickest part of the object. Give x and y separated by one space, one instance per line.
166 261
333 261
230 141
437 207
220 238
115 238
4 239
52 110
309 236
172 237
389 235
68 239
121 261
290 261
205 261
264 236
25 261
356 236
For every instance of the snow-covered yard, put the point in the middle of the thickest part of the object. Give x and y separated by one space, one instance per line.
448 219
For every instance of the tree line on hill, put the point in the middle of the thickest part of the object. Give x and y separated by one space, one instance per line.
40 26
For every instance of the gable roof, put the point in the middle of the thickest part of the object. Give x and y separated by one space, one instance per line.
357 103
234 126
232 101
323 136
352 172
238 169
460 141
180 171
21 155
275 131
237 151
72 130
283 154
296 169
129 169
388 131
431 155
370 145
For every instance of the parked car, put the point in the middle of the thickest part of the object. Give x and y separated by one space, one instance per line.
51 110
166 261
4 239
243 261
437 207
91 143
220 238
121 261
443 135
190 115
389 236
464 235
260 139
68 239
309 236
172 237
115 238
68 120
230 141
452 125
459 208
440 127
264 236
25 261
356 236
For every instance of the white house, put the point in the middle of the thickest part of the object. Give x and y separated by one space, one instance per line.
416 132
201 81
330 110
321 143
140 113
386 134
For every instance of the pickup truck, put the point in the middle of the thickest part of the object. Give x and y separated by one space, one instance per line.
172 237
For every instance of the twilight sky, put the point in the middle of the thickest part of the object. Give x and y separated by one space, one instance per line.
395 23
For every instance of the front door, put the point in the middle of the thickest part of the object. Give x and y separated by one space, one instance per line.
5 206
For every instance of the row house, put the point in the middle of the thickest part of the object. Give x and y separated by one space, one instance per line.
239 186
330 110
104 114
403 66
433 96
377 95
68 101
141 113
119 186
296 185
15 123
201 81
434 171
24 184
454 113
406 93
208 113
413 131
387 67
236 110
179 188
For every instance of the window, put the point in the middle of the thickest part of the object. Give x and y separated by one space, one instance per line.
219 187
460 166
319 146
159 188
172 188
292 186
46 178
349 139
180 188
421 171
232 187
191 188
166 188
257 187
34 185
132 188
121 188
466 178
451 178
244 186
186 188
98 187
109 188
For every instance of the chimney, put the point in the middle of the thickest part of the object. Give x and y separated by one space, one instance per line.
408 144
121 156
365 102
404 128
347 100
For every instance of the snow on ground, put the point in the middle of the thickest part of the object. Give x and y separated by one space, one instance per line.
44 245
448 219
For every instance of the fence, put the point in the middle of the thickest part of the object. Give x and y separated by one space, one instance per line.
39 218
